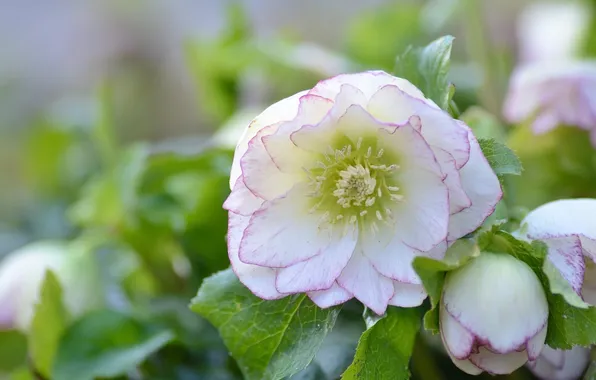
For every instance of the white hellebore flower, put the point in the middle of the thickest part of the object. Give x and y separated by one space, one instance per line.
560 364
493 315
23 271
550 94
568 228
335 190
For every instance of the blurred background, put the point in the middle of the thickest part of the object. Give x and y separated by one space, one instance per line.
118 118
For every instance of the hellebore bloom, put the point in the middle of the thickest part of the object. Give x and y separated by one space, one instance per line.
493 315
560 364
551 94
23 271
568 228
335 191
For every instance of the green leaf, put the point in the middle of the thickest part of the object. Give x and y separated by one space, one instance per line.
13 350
432 273
49 321
567 325
427 69
502 159
268 339
106 343
384 350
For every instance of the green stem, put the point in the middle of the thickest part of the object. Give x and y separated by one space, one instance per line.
103 132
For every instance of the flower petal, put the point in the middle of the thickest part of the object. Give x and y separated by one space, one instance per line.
535 344
361 279
407 295
566 254
320 271
368 82
282 232
285 109
498 364
562 218
458 199
467 366
241 200
260 173
284 153
260 280
422 217
482 187
458 341
335 295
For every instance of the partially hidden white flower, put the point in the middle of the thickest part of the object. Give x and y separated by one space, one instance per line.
493 315
568 228
23 271
560 364
551 94
335 191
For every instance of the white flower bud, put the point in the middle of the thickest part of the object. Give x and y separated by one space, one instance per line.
560 364
493 315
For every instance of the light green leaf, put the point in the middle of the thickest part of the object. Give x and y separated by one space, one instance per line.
432 273
106 343
427 69
384 350
268 339
49 321
502 159
13 350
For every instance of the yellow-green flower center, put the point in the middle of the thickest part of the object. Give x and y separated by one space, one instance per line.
354 182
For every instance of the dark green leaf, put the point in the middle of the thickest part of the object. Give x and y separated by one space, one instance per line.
268 339
502 159
427 69
13 350
49 321
384 350
432 273
105 343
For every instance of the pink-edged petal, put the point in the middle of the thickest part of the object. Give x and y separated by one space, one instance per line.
285 109
260 173
467 366
458 199
441 131
284 153
391 105
482 187
422 217
282 232
355 123
361 279
335 295
390 257
457 340
535 344
566 254
562 218
348 96
241 200
320 271
260 280
498 364
368 82
407 295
